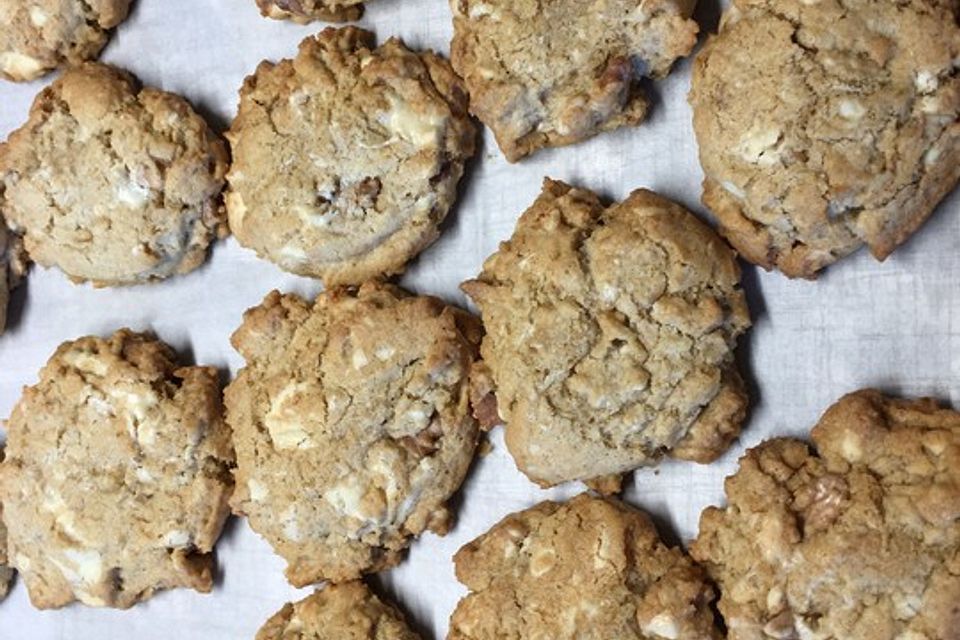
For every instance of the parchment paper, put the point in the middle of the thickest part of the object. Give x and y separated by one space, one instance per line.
894 325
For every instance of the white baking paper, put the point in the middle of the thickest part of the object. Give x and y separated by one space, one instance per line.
894 325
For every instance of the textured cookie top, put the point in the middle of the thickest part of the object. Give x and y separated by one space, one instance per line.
610 335
351 424
12 266
113 183
860 541
346 158
37 36
117 474
827 125
348 610
304 11
590 569
554 72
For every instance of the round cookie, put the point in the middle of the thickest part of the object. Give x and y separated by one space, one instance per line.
117 474
554 72
352 425
12 266
859 540
589 569
825 126
348 610
346 159
37 36
609 336
113 183
306 11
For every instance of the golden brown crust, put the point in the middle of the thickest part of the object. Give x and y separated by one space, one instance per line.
111 182
115 437
352 425
825 126
346 159
307 11
610 336
590 569
860 540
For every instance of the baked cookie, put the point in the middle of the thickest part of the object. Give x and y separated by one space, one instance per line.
826 125
609 336
352 425
12 266
590 569
859 540
37 36
340 611
346 159
113 183
117 474
305 11
554 72
6 573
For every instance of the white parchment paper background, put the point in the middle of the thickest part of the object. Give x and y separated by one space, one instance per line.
894 325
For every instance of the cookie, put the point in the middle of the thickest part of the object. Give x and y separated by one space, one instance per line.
858 539
12 266
348 610
609 336
117 474
6 573
306 11
825 126
113 183
552 73
590 569
346 159
37 36
352 425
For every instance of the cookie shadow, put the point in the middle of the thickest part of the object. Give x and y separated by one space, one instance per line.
707 14
384 590
18 303
229 534
743 354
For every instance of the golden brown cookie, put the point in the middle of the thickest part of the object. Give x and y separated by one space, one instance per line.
117 474
827 125
588 569
859 539
546 73
111 182
306 11
338 612
352 425
609 336
346 159
37 36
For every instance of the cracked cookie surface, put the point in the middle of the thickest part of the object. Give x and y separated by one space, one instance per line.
339 611
117 474
546 73
825 126
346 159
609 335
589 569
12 266
352 425
113 183
37 36
305 11
859 540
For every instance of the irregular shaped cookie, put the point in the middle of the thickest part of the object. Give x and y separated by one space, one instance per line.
305 11
352 425
348 610
37 36
113 183
6 573
554 72
859 540
346 158
825 126
590 569
12 266
117 474
610 336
